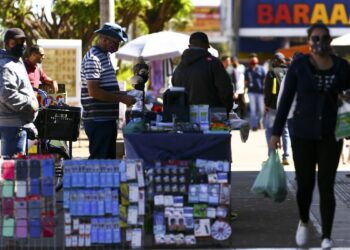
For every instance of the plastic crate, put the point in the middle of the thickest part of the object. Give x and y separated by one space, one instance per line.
59 123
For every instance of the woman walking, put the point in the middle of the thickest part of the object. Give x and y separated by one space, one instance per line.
318 80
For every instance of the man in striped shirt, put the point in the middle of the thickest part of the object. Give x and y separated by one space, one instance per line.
100 94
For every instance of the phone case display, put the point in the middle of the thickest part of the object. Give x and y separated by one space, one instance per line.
191 200
103 200
27 200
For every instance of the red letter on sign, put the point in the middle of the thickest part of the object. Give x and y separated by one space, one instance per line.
264 14
283 14
301 12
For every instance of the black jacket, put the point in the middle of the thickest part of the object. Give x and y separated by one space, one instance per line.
316 104
272 85
204 78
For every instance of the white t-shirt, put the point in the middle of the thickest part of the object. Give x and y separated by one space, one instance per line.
239 71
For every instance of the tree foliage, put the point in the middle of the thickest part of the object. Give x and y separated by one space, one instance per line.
159 12
78 19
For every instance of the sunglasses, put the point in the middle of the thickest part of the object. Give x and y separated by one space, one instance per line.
316 39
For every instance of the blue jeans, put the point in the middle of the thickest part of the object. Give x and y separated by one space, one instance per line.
102 137
270 116
256 106
13 141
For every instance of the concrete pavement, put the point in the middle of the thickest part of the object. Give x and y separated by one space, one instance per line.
248 157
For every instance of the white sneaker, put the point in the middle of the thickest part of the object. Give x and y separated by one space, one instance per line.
302 234
327 243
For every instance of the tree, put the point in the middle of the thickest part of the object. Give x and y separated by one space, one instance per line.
160 12
78 19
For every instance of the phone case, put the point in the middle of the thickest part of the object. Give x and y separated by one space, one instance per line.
21 189
48 225
21 228
7 207
34 209
35 167
8 227
34 228
21 170
8 169
7 189
21 209
47 172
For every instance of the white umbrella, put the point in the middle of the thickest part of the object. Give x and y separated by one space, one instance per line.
341 41
156 46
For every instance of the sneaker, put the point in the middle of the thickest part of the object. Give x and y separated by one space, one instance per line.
327 243
302 234
285 161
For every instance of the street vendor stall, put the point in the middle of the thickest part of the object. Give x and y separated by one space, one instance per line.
187 158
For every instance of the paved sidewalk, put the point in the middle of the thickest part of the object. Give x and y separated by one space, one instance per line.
248 157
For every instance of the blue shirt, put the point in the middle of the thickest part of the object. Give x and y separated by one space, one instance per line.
255 78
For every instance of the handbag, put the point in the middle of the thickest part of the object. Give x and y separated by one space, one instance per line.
342 129
271 181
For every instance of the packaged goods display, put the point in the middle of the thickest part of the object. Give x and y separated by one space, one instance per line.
103 200
190 199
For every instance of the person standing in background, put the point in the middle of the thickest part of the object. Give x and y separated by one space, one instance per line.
36 73
254 79
100 95
203 76
239 70
319 80
226 61
272 84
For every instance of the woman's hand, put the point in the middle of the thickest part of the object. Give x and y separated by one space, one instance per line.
275 142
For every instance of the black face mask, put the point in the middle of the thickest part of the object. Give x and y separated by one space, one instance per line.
18 50
321 45
321 48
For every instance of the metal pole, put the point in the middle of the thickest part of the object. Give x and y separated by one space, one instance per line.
107 13
236 23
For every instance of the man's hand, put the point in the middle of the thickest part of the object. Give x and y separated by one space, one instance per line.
275 142
266 109
55 86
35 104
128 100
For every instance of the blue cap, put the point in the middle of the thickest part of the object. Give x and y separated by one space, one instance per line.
113 30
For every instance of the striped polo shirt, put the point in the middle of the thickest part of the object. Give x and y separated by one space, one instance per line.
97 65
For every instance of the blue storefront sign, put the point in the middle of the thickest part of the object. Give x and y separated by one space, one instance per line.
290 18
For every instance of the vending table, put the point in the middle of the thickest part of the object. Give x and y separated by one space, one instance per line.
185 146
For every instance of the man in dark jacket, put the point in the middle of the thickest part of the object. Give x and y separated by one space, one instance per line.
203 76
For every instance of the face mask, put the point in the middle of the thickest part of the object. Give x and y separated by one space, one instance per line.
254 61
18 50
112 48
320 45
321 48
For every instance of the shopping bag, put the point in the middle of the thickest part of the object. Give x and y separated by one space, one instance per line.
271 181
342 129
135 125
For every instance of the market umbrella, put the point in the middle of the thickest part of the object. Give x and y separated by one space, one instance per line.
156 46
341 40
